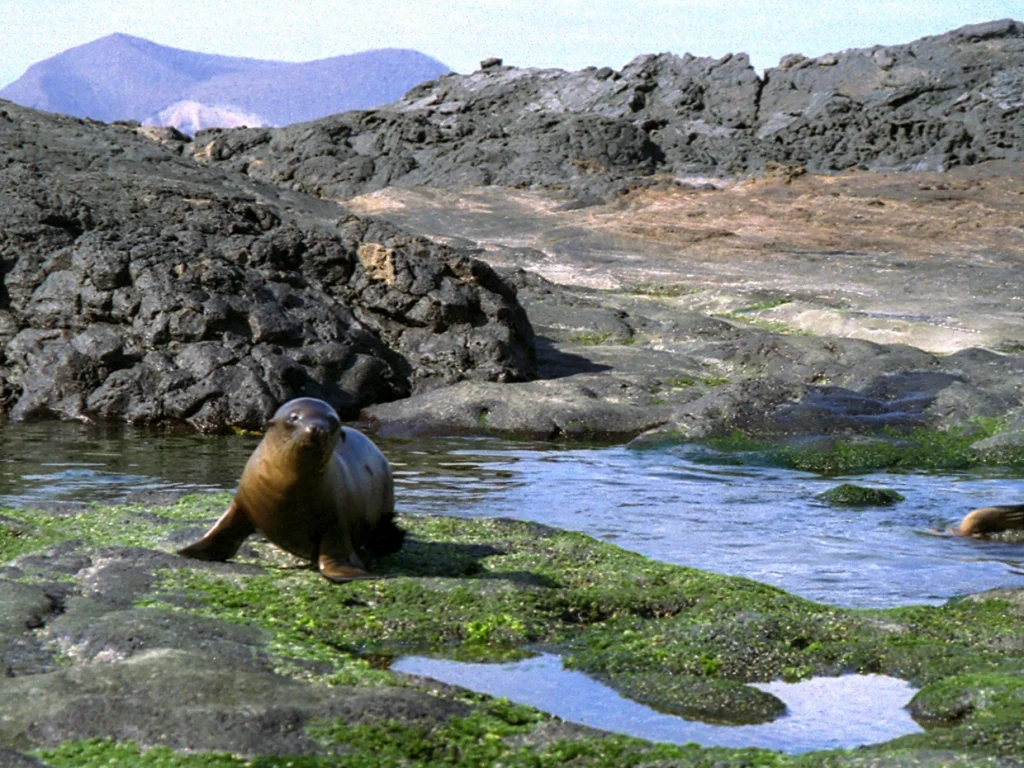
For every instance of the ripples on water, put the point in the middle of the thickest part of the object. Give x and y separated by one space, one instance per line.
669 504
762 523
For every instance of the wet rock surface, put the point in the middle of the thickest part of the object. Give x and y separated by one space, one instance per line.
140 287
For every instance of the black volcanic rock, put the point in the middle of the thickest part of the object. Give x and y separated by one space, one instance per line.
120 77
137 285
939 102
942 101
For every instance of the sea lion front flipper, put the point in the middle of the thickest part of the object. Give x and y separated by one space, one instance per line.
338 561
222 541
339 572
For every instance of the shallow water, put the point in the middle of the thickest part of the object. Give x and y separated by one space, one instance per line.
670 504
762 523
822 713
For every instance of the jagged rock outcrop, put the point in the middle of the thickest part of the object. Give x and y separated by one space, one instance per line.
138 286
935 103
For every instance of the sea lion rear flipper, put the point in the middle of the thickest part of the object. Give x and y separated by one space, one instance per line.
385 537
337 560
222 541
992 520
1014 516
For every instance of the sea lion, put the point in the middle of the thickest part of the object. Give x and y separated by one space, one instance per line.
1009 517
314 488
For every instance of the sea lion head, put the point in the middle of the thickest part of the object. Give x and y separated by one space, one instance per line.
305 430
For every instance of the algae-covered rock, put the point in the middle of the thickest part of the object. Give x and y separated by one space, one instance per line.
106 636
22 607
164 660
962 697
710 700
1005 448
850 495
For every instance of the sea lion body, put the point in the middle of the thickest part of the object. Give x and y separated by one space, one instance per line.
1009 517
314 488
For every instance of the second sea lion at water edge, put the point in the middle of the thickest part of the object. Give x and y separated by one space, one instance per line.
314 488
1008 517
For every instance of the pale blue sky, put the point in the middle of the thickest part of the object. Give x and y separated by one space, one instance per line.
548 33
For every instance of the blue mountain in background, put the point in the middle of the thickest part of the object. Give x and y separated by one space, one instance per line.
120 77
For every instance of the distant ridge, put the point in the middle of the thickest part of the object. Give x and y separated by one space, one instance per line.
120 77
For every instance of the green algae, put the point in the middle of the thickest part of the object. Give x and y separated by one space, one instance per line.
850 495
589 338
663 290
701 698
763 305
967 697
485 589
130 525
921 448
487 740
482 740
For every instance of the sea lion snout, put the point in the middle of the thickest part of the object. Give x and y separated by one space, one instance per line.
318 429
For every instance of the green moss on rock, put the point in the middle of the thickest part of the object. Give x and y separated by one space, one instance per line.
930 449
136 525
966 697
484 589
710 700
944 450
850 495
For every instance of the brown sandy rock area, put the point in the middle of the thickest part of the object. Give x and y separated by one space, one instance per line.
855 301
926 259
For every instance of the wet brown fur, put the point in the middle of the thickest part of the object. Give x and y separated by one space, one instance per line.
314 488
987 520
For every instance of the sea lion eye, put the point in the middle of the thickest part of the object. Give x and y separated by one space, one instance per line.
293 418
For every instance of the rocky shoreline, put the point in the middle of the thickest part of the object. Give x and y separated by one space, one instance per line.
933 104
141 287
159 281
820 265
115 650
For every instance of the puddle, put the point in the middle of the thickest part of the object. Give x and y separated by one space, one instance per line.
822 713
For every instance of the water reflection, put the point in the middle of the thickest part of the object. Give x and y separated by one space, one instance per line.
47 462
669 504
822 713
